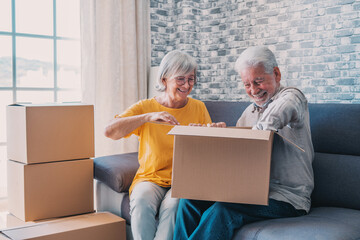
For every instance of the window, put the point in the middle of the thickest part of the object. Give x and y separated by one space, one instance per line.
39 57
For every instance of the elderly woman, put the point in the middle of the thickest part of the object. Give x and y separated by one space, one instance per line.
150 192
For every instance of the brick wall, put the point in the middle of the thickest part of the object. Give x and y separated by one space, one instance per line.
316 42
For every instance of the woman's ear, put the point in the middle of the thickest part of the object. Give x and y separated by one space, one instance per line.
163 80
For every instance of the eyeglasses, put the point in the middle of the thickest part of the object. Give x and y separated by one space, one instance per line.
182 80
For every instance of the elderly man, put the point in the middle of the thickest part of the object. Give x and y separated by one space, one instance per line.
277 108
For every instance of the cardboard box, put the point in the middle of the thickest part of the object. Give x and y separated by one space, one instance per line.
54 132
49 190
93 226
221 164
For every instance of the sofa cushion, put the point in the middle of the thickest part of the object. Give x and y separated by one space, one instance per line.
228 112
337 181
321 224
116 171
326 223
125 209
334 186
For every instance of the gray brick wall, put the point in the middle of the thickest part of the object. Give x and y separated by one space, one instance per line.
316 42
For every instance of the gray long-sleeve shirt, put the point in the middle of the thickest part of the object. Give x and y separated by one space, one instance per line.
291 175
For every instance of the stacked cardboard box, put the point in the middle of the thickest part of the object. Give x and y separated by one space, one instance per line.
92 226
50 170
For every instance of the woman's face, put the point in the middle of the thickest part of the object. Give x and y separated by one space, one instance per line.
178 87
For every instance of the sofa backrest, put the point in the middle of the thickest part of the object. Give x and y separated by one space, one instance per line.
335 132
335 128
223 111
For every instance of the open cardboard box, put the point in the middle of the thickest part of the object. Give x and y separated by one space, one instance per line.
93 226
222 164
50 132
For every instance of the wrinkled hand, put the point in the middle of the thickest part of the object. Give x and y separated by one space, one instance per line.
218 124
162 117
197 125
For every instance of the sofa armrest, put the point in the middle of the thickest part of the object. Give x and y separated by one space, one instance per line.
116 171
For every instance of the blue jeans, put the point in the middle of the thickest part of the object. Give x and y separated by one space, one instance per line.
218 220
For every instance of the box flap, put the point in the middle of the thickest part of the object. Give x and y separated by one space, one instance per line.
221 132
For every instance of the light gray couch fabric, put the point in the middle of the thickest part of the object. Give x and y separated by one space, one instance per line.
335 212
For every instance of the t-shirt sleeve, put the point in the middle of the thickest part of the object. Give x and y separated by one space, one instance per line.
207 117
135 109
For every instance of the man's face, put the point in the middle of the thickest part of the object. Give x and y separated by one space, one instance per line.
259 85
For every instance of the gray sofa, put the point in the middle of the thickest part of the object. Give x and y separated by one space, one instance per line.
335 212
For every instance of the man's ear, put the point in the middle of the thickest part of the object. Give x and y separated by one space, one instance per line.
277 74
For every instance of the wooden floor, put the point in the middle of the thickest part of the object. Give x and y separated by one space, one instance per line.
3 212
8 220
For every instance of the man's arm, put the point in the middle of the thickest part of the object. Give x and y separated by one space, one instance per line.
288 109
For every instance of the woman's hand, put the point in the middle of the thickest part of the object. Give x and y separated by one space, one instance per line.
120 127
161 117
218 124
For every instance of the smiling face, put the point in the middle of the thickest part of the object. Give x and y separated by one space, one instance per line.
177 91
259 85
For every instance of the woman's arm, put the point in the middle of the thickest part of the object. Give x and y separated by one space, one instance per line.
122 126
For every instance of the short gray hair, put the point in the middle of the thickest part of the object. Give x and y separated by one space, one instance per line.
174 63
254 57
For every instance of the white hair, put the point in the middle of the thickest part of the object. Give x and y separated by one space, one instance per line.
254 57
175 63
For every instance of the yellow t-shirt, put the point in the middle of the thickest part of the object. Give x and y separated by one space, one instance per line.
156 147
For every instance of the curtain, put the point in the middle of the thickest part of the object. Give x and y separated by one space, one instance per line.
115 45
